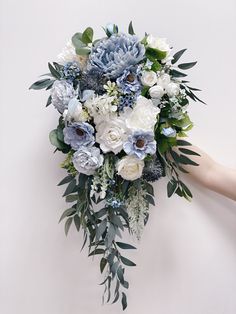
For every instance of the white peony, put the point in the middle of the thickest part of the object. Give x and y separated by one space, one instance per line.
130 168
111 135
172 89
143 115
156 92
163 80
148 78
158 43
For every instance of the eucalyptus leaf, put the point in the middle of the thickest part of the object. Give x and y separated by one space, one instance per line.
103 264
127 262
41 84
177 56
67 179
171 188
77 222
68 224
130 29
186 66
87 36
125 246
70 188
66 213
124 301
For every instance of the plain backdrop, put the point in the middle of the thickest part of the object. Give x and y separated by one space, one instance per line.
186 260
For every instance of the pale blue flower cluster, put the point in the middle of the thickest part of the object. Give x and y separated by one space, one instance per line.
140 143
78 134
71 71
117 53
61 93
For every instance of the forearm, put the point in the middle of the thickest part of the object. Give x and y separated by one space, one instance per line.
211 174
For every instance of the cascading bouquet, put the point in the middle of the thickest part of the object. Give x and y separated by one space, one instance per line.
122 105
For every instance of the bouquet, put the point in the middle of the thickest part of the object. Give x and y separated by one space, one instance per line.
122 104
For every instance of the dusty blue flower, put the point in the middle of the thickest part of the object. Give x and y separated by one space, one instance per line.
169 132
71 71
117 53
62 92
140 143
129 81
87 159
78 134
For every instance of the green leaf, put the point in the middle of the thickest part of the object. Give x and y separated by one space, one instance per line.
49 101
103 264
87 36
111 233
171 188
156 66
41 84
176 73
188 151
116 297
150 200
55 141
82 51
77 41
67 179
117 221
124 301
101 228
125 246
66 213
53 71
186 189
186 66
183 143
97 252
130 29
68 224
77 222
127 262
177 56
70 188
187 161
155 54
71 198
120 275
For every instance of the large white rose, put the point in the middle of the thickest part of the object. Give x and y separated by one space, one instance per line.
156 92
148 78
143 115
111 135
158 43
172 89
130 168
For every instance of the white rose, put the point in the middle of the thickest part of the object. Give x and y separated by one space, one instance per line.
143 115
156 92
163 80
158 43
130 168
172 89
111 134
148 78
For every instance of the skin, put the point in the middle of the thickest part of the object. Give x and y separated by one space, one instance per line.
211 174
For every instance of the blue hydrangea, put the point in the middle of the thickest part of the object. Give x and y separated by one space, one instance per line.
126 100
129 81
117 53
140 143
71 71
93 79
78 134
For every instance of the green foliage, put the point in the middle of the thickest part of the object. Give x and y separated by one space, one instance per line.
155 54
131 29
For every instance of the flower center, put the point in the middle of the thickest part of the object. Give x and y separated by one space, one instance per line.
130 78
140 143
79 132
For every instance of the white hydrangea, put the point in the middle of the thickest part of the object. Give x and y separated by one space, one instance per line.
68 54
101 107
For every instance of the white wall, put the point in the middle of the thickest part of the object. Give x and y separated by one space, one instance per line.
187 257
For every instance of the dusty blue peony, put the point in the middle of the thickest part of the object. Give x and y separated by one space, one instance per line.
140 143
78 134
117 53
87 159
62 92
